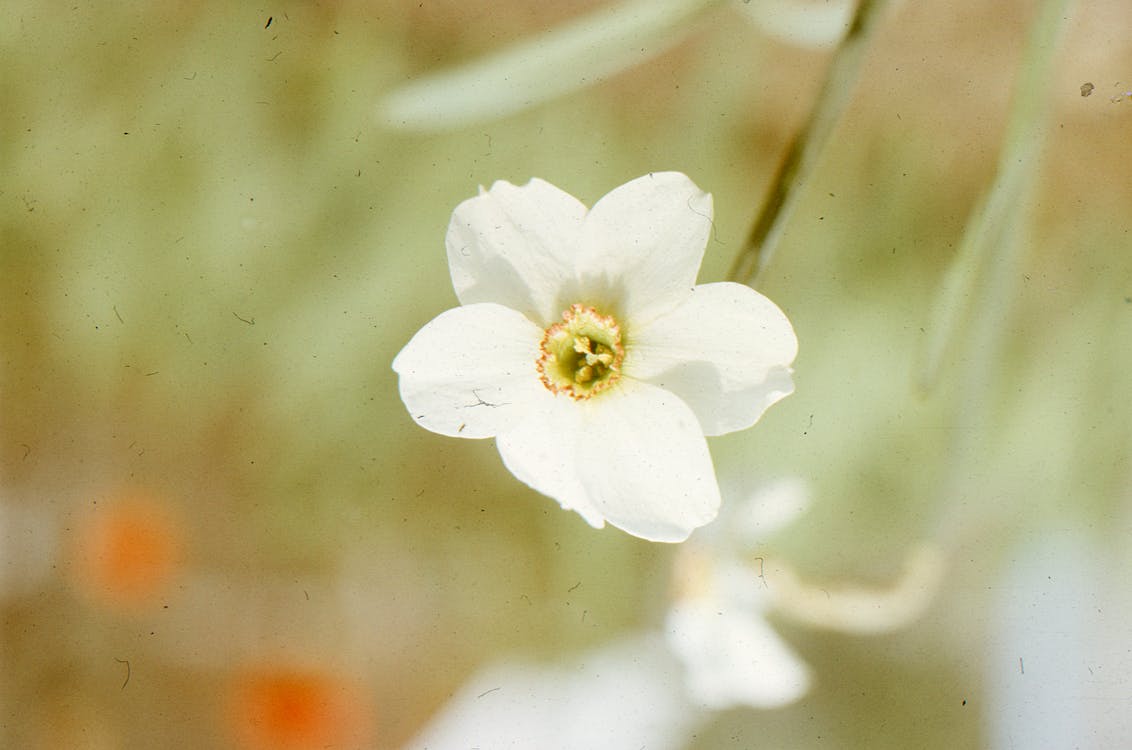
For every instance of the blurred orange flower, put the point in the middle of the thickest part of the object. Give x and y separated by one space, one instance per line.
127 553
288 708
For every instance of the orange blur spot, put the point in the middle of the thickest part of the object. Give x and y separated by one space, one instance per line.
286 708
127 553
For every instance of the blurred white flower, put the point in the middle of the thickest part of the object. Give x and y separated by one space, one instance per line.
625 695
724 587
717 653
585 347
716 625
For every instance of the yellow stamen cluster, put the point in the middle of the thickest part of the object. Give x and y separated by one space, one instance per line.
582 355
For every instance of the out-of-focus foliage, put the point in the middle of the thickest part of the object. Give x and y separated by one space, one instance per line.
213 505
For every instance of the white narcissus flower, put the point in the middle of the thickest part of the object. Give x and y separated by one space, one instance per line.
585 347
717 624
732 655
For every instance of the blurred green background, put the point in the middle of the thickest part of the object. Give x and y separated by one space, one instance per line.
211 250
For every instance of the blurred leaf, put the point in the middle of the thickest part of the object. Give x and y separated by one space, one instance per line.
534 71
807 24
981 277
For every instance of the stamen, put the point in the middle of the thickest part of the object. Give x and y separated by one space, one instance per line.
581 355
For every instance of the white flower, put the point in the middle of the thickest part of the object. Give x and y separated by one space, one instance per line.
717 625
622 695
586 349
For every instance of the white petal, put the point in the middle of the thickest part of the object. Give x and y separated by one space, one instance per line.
760 508
633 456
645 464
726 351
471 372
541 452
514 245
641 245
733 657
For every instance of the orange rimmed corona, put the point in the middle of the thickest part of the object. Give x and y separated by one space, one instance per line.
582 355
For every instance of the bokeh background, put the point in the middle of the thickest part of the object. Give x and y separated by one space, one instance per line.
219 527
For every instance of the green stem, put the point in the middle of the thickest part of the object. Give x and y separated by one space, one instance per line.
989 248
807 146
981 289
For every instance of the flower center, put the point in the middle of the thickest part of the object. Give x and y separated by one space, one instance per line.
581 355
